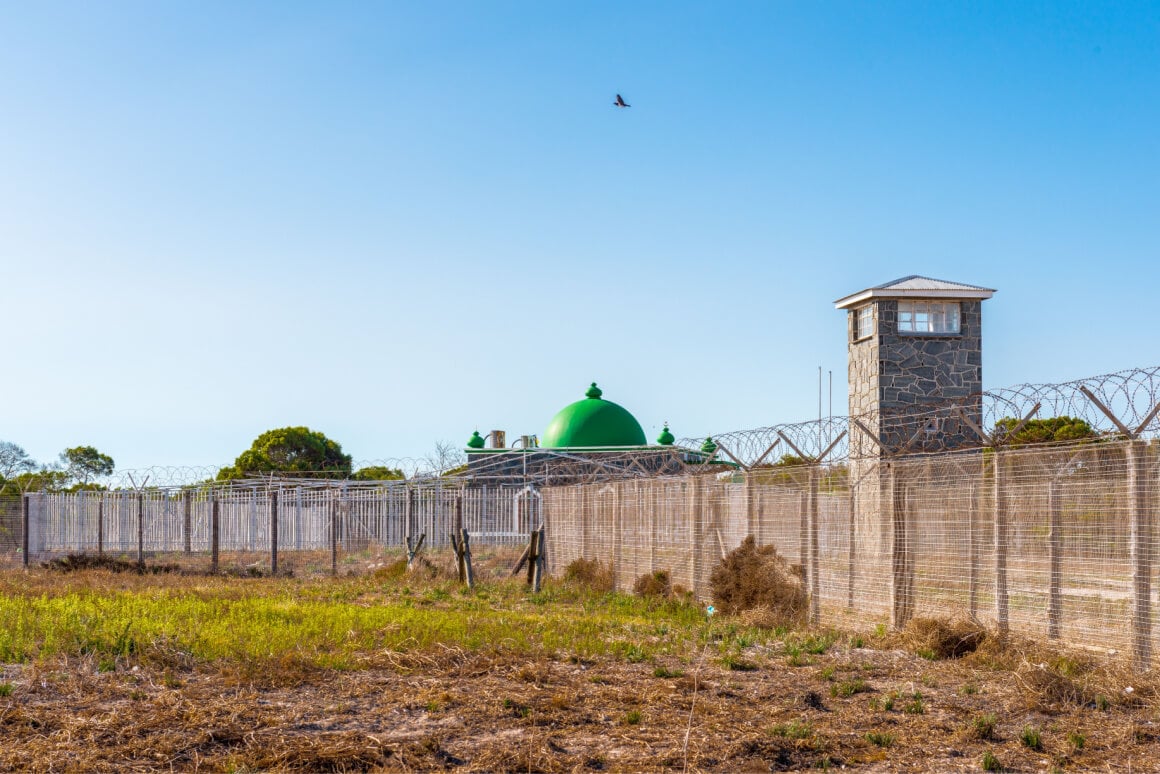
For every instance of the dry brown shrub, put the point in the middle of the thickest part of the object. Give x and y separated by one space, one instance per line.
653 584
79 562
590 574
752 577
938 638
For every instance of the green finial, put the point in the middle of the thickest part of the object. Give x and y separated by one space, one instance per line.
666 438
708 447
475 441
594 391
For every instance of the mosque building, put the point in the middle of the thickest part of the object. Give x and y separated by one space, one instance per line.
590 439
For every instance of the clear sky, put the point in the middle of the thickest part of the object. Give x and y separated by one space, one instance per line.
397 223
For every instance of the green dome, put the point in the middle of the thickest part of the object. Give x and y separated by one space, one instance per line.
475 441
592 422
666 438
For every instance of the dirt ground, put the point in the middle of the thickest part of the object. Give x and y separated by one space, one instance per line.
871 709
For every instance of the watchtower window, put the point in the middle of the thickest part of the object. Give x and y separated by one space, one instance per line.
864 322
929 317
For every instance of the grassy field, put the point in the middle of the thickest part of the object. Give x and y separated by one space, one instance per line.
397 671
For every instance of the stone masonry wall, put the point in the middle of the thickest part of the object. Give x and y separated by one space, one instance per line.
895 377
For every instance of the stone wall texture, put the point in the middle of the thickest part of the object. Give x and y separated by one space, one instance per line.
898 379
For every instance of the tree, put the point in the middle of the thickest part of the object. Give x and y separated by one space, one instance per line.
290 450
1060 429
14 460
378 473
447 458
84 463
43 480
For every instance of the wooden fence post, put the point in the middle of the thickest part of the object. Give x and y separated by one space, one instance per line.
804 535
900 565
187 520
274 532
215 531
1054 556
100 524
617 535
697 518
1140 535
24 519
1002 538
974 570
815 563
140 531
852 529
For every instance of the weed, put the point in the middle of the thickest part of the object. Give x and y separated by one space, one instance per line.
888 704
1102 703
970 689
983 726
990 762
827 673
738 664
433 706
1077 739
880 631
5 689
795 729
857 642
634 654
915 705
850 687
632 717
662 671
1030 737
880 738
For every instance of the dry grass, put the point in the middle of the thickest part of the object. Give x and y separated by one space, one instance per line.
490 707
753 577
938 638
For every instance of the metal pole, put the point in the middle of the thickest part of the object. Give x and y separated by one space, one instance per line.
24 503
214 530
274 532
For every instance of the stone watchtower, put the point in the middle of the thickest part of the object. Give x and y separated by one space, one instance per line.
916 361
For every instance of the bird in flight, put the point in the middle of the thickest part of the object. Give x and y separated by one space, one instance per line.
620 102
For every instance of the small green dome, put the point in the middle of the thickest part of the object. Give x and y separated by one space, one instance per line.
708 447
592 422
666 438
475 441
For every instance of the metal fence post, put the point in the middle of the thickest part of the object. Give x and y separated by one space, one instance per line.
140 531
274 532
100 524
214 530
24 518
187 521
333 534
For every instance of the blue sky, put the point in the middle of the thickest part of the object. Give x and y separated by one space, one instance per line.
397 223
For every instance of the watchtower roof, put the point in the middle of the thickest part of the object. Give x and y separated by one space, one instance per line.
915 286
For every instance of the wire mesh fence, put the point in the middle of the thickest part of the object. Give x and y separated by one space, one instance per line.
1053 540
1053 543
316 527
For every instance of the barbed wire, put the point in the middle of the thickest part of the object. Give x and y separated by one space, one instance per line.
1109 403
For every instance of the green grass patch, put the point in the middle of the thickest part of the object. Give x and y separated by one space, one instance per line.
341 624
